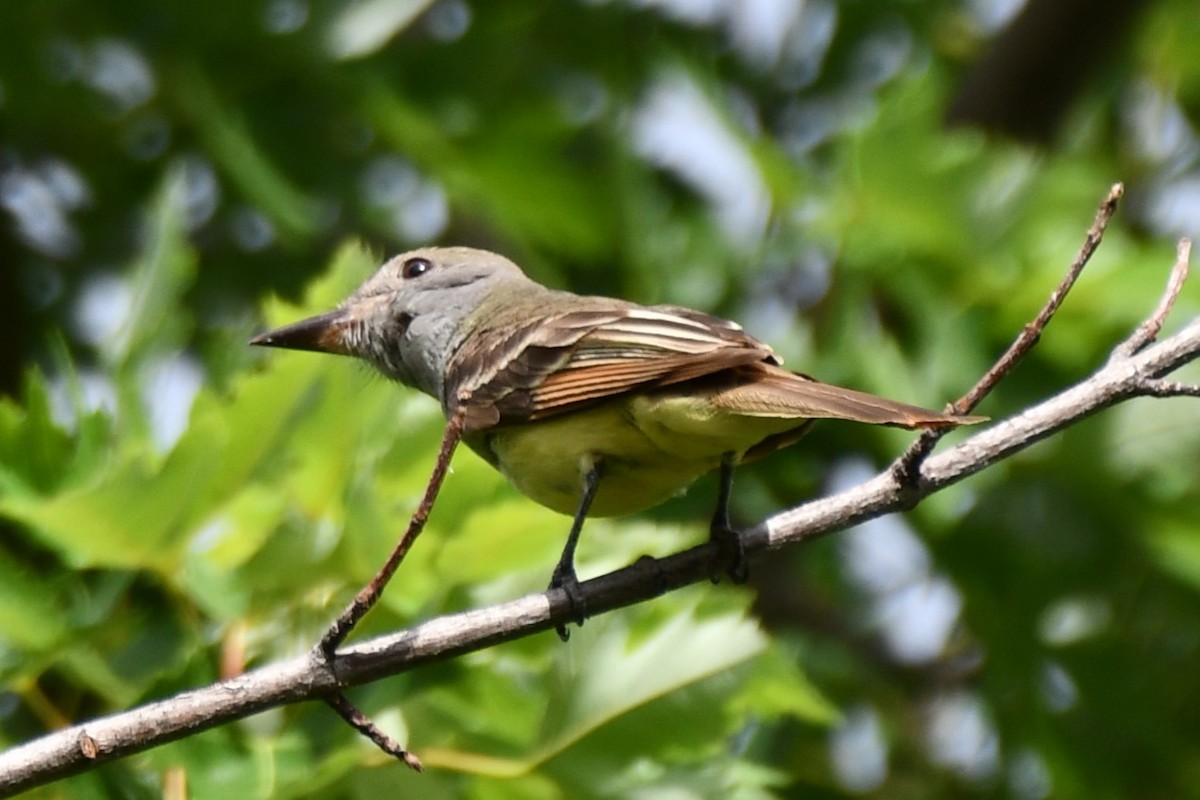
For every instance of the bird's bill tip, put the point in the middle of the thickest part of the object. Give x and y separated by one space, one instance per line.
322 334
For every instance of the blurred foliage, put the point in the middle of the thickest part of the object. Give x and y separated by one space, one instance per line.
174 506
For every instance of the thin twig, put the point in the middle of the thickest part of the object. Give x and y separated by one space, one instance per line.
908 464
1160 388
1148 331
370 594
1030 334
363 724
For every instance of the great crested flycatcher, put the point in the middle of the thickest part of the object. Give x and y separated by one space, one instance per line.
591 406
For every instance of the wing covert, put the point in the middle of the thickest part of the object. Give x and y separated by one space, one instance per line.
557 364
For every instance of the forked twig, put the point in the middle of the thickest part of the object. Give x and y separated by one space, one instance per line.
370 594
1147 333
1032 331
908 465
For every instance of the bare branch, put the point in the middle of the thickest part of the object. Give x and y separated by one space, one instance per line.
310 677
78 747
1116 382
1033 331
907 465
1148 331
370 594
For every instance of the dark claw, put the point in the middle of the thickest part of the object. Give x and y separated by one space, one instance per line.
729 543
729 551
569 583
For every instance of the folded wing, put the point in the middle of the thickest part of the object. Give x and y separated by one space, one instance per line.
568 361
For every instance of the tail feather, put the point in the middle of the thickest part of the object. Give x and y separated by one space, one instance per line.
775 392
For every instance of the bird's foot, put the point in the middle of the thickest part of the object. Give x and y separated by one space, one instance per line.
731 555
565 579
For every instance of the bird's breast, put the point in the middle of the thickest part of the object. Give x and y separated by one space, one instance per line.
648 448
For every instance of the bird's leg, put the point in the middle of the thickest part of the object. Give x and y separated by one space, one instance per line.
721 532
564 576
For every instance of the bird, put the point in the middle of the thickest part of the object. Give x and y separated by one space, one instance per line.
592 406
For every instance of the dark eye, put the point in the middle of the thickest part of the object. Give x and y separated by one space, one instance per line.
416 267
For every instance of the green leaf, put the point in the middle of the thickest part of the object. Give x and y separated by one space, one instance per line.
31 618
1176 546
610 675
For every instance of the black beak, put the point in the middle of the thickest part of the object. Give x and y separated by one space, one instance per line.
322 334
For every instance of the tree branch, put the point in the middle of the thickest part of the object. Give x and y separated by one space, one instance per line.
1136 368
907 465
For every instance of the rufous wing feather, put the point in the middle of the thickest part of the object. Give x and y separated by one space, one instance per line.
562 363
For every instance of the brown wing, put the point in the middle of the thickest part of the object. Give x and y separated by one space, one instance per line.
556 364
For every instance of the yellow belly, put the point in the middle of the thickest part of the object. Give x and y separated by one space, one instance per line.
648 449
